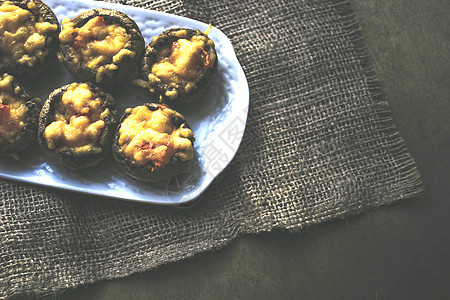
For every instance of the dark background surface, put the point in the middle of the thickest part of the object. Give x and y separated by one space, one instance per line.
396 252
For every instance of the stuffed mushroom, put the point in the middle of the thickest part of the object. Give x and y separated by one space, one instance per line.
101 46
152 142
76 125
28 37
18 116
178 65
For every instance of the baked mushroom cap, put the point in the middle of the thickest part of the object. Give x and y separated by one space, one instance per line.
76 125
152 142
178 65
19 115
101 46
27 55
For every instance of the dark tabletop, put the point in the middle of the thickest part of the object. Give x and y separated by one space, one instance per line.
396 252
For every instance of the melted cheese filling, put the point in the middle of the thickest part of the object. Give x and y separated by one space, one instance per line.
12 110
98 45
147 136
22 33
184 62
78 120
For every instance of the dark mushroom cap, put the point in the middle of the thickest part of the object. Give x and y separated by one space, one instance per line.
159 89
24 71
148 173
64 154
27 136
125 66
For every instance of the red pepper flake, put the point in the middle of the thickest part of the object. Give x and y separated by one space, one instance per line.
4 112
78 42
164 154
148 146
81 40
83 113
206 60
170 58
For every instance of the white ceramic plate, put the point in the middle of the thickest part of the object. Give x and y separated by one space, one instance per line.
217 120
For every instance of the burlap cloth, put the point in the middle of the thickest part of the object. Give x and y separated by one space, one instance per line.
320 143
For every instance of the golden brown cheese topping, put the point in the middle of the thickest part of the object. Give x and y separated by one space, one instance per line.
78 120
184 62
23 33
97 44
150 136
12 110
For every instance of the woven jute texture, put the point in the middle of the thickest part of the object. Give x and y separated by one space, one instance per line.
320 143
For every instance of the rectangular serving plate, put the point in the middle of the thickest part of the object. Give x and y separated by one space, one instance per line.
218 121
